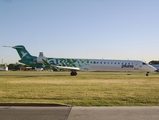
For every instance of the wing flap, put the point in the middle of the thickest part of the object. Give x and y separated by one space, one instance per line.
68 68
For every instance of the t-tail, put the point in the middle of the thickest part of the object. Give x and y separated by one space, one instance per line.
23 53
28 59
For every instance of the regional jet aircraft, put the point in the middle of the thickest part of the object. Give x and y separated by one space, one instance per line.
75 65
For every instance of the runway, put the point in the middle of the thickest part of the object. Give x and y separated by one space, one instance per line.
78 113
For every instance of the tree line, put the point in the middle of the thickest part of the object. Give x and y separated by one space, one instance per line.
153 62
16 67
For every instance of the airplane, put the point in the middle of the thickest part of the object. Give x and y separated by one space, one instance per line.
75 65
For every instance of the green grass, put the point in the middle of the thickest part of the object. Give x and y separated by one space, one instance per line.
85 89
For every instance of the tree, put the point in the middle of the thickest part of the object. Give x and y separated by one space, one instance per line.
154 62
15 66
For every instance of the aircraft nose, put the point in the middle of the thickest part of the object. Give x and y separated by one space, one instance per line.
153 69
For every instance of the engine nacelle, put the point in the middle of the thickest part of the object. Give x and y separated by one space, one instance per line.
41 59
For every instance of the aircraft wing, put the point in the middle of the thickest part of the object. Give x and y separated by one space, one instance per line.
46 63
68 68
60 67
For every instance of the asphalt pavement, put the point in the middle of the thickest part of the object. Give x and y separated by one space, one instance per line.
78 113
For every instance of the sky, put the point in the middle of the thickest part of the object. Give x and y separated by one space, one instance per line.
95 29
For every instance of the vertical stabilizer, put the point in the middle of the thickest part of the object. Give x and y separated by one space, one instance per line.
23 53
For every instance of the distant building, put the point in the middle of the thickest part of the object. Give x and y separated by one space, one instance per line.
26 69
4 68
39 69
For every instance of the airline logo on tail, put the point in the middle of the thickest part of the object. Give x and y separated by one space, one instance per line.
23 54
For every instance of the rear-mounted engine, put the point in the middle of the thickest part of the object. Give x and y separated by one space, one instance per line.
41 58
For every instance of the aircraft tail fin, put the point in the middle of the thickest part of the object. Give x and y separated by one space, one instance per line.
23 53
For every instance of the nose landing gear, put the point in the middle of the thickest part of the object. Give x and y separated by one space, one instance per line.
147 74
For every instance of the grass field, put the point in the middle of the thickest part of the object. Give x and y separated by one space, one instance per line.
85 89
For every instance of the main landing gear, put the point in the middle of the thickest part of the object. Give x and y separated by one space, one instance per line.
73 73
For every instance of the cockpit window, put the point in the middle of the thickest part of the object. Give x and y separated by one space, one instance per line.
144 63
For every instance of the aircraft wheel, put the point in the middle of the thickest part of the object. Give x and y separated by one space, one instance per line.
147 74
73 73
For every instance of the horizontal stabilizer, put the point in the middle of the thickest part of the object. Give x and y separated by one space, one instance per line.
8 46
